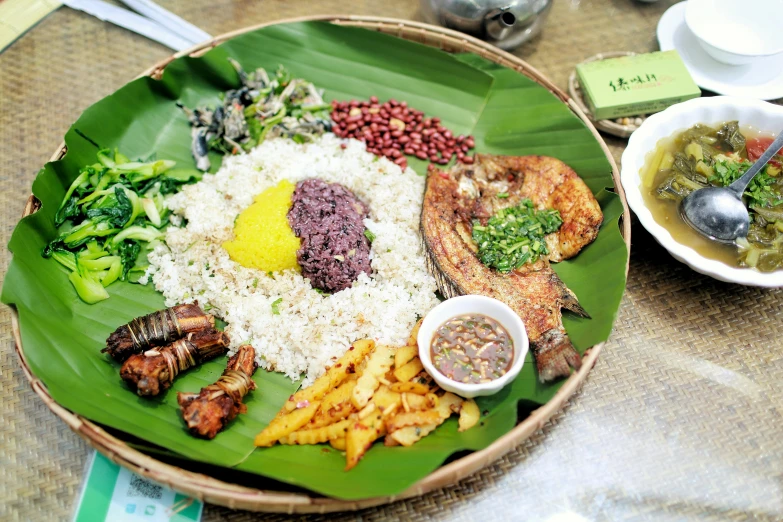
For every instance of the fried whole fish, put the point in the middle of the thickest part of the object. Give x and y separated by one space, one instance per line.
454 198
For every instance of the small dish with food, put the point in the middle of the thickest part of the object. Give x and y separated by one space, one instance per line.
472 345
710 142
734 33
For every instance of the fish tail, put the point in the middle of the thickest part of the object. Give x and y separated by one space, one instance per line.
570 303
555 355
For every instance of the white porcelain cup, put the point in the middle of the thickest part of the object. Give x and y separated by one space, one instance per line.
737 32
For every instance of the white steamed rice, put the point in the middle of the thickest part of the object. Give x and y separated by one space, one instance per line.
311 330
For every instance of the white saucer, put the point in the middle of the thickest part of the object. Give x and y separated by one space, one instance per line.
762 79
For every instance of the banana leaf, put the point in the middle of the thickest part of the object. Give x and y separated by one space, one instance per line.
505 111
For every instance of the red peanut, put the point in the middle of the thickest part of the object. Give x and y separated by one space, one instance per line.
394 130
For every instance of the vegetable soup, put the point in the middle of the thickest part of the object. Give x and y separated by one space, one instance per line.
702 156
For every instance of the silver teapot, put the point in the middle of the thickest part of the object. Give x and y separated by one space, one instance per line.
506 24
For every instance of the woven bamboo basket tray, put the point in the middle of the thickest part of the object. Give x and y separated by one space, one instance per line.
236 496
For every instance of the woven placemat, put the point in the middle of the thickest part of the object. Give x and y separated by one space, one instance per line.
681 419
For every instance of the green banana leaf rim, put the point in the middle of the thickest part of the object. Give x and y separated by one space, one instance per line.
234 496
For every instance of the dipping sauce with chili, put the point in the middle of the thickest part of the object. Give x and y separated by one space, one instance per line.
472 348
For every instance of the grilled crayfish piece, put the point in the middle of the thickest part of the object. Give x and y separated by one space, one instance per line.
157 329
208 412
153 371
454 198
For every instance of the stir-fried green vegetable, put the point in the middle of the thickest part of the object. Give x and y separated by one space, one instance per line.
702 156
515 236
262 108
110 214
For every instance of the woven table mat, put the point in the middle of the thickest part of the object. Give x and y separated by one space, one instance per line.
681 418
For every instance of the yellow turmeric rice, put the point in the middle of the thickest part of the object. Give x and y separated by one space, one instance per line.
263 239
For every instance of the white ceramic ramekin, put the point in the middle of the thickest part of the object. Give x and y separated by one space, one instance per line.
473 304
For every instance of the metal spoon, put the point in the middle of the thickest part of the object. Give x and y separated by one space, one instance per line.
718 212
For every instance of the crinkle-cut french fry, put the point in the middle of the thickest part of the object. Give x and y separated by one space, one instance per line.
338 444
409 435
378 364
413 418
412 338
318 435
338 395
359 368
449 404
336 405
409 371
404 355
283 425
468 415
334 376
388 440
360 436
410 387
384 397
420 402
334 414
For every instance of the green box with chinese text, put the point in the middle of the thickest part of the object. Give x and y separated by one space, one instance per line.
639 84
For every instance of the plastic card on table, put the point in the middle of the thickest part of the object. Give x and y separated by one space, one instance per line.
113 493
17 16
